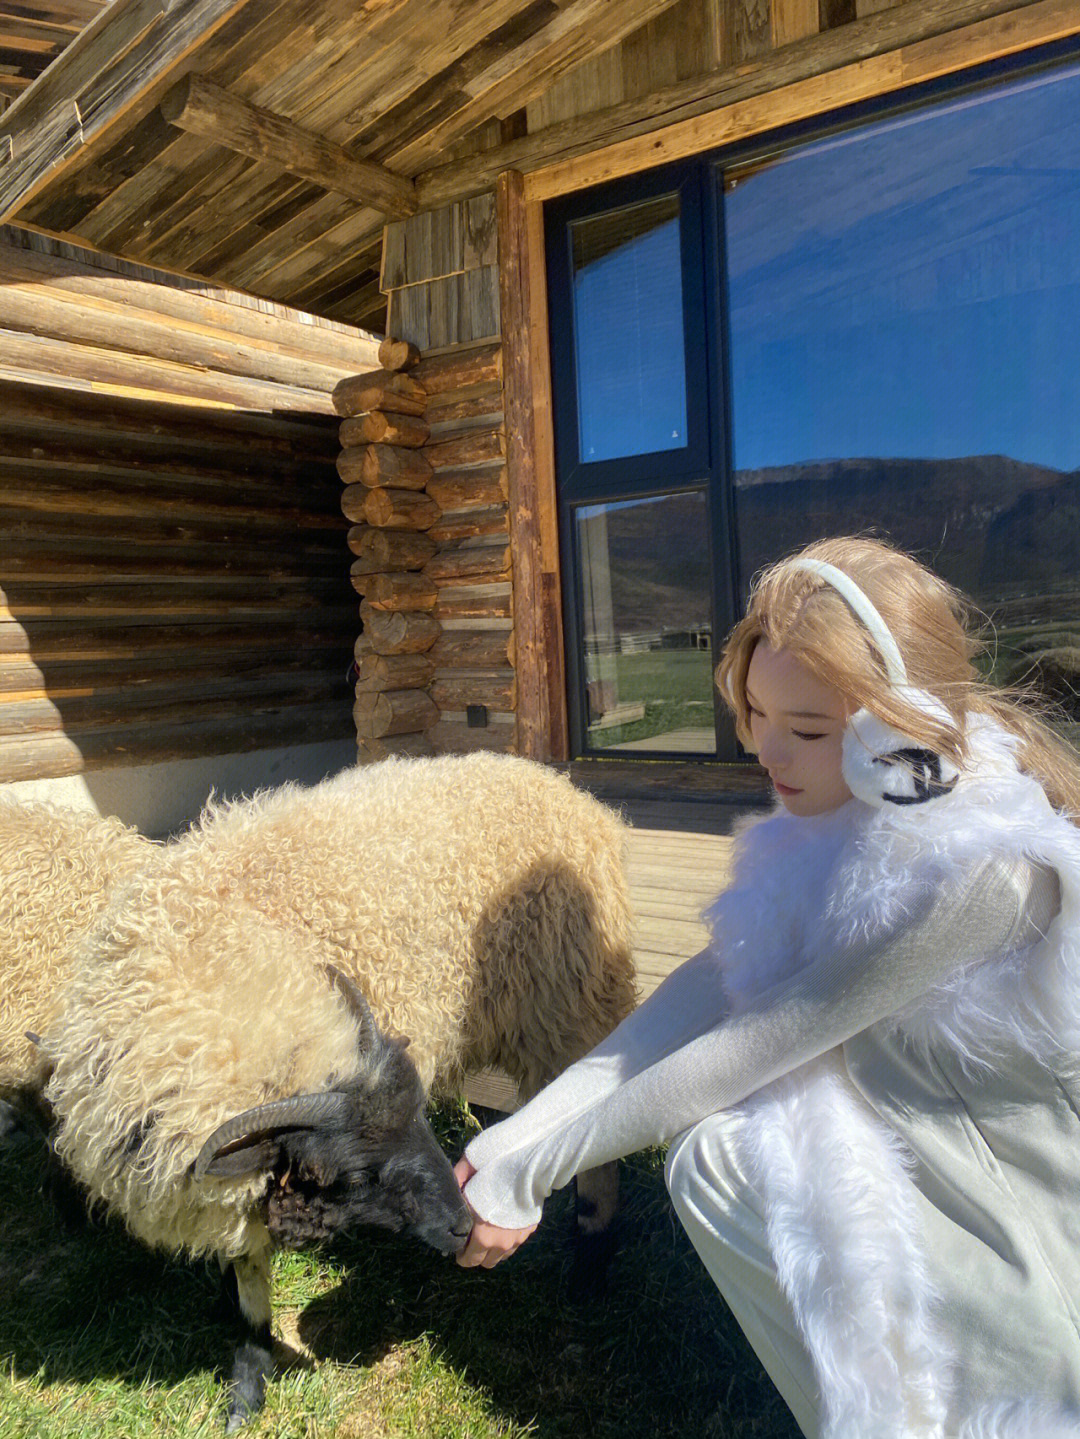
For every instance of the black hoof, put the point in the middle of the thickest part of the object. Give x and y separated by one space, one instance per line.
252 1368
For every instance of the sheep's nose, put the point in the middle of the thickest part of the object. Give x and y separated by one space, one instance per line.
460 1232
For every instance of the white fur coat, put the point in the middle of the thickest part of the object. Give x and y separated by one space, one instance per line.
840 1197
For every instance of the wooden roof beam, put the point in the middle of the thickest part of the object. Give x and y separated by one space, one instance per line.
816 55
202 108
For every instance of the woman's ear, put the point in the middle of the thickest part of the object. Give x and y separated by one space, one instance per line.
882 766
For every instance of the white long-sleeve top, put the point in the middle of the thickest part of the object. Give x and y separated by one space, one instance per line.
680 1056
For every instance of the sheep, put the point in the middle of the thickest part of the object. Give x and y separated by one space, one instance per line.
58 868
223 1091
478 902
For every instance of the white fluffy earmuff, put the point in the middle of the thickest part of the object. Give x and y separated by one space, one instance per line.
879 764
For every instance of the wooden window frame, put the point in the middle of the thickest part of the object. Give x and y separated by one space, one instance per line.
543 730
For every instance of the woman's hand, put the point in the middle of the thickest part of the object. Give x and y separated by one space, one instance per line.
488 1244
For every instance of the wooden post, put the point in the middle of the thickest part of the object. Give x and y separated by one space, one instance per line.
541 715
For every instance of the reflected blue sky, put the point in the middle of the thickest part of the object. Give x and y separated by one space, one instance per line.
628 334
912 290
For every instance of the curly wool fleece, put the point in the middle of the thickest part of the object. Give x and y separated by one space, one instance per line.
479 901
58 868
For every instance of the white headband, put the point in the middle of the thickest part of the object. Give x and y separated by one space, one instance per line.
866 611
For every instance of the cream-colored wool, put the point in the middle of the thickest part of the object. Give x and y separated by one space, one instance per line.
478 901
182 1012
57 869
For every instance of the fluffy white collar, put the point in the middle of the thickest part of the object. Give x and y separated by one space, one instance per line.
799 885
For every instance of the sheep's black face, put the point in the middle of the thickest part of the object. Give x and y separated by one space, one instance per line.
379 1164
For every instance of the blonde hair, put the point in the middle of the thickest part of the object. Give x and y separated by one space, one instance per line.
798 611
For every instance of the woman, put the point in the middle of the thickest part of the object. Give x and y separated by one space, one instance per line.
870 1077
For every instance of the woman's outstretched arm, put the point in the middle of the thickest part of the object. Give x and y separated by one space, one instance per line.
676 1059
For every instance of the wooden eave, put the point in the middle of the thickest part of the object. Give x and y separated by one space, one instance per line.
392 85
33 33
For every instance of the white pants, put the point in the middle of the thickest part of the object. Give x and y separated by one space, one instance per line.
722 1214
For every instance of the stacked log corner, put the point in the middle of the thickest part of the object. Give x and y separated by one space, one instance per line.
423 462
384 474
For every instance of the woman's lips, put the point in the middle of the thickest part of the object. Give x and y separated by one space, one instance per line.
785 788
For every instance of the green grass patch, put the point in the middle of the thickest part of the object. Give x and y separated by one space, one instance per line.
378 1335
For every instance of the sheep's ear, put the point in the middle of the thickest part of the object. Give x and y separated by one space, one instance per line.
252 1155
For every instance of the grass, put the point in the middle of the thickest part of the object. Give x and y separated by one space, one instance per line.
379 1336
676 686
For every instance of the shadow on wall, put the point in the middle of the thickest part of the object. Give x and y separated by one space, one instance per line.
174 586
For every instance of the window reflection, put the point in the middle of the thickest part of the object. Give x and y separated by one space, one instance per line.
628 331
647 633
905 354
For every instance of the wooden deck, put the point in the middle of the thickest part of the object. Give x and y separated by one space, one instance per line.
677 862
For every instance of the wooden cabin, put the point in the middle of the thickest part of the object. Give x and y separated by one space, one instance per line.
434 374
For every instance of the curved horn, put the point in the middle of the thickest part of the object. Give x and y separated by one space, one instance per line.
369 1031
301 1111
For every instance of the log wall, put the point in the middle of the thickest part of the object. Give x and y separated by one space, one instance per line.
424 464
171 542
434 662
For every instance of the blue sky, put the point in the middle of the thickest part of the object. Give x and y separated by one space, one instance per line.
907 290
913 290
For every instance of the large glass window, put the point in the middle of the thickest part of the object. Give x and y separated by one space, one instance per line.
628 336
874 330
905 350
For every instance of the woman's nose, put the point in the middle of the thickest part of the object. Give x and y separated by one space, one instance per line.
772 752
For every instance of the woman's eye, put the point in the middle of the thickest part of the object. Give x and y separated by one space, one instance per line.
802 734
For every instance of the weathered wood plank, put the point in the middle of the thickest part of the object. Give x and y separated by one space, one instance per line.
122 638
31 488
101 565
222 695
542 723
200 311
26 600
472 605
201 107
793 20
840 55
62 679
575 30
115 325
93 86
452 736
459 368
36 357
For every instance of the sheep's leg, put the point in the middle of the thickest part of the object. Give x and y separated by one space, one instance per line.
597 1200
253 1362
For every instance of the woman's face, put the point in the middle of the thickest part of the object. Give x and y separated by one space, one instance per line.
797 724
